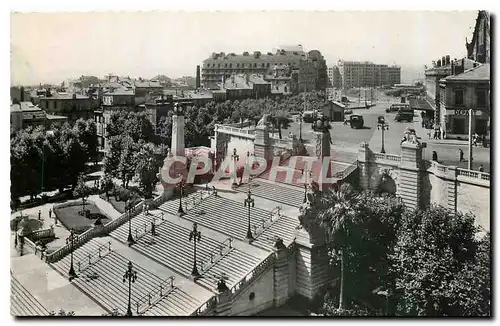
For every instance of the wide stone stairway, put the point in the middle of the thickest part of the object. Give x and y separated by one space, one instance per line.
102 280
22 302
292 196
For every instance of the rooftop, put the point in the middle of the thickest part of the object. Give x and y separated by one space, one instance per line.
480 73
24 107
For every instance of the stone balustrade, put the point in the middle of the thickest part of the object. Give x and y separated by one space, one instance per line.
245 133
206 307
150 299
93 232
256 272
347 171
387 157
473 174
264 224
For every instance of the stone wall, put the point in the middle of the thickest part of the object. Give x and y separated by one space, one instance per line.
263 289
420 183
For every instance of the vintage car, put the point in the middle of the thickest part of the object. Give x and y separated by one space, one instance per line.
356 121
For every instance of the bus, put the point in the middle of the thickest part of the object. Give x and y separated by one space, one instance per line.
405 114
397 107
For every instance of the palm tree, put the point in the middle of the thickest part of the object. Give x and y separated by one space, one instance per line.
337 216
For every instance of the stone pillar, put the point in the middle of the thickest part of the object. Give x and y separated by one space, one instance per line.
262 144
364 166
178 131
224 299
410 175
280 273
322 150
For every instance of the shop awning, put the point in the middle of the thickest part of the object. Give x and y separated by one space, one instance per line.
420 104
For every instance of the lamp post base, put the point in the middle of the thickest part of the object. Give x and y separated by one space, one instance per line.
382 151
71 273
249 235
129 312
130 239
194 273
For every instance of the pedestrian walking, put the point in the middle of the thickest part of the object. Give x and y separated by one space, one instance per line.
429 134
434 156
50 212
481 168
461 153
39 214
444 134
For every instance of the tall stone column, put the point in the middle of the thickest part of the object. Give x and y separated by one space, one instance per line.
178 131
280 273
322 150
364 166
410 175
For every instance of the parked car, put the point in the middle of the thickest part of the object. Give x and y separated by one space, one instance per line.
404 114
397 107
356 121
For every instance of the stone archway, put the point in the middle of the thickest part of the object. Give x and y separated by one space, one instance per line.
388 182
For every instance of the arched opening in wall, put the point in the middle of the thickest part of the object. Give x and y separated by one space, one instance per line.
388 185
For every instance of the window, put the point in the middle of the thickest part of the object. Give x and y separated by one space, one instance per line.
459 97
237 65
481 97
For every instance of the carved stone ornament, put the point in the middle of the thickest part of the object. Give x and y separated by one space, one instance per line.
264 121
178 109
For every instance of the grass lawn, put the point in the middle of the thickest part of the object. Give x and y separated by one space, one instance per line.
118 205
69 217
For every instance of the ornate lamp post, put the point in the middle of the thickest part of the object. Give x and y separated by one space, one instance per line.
234 158
249 202
181 188
70 240
382 125
130 238
131 276
195 236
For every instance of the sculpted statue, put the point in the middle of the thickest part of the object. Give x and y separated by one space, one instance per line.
265 120
178 109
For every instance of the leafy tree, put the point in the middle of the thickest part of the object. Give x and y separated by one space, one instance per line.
126 167
339 219
107 184
86 131
441 268
112 158
82 191
147 169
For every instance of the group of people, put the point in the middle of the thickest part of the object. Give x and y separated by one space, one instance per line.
438 134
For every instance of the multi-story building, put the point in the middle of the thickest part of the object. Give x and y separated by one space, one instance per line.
309 68
73 106
461 92
368 74
335 77
478 51
27 114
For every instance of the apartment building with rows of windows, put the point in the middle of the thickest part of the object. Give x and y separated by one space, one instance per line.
307 71
367 74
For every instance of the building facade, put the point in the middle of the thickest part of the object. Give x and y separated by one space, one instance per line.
26 114
368 74
335 77
307 70
73 106
459 93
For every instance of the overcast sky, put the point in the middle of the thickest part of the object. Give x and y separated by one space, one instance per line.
53 47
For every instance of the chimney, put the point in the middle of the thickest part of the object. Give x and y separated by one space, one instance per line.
22 94
448 60
443 60
197 76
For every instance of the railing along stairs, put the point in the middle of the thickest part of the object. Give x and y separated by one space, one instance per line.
153 297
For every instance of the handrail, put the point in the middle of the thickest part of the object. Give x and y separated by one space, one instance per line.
388 157
347 171
224 249
150 229
155 295
90 256
267 222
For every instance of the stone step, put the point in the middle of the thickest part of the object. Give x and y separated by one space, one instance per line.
23 303
275 192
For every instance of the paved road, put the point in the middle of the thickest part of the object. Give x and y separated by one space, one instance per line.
344 136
